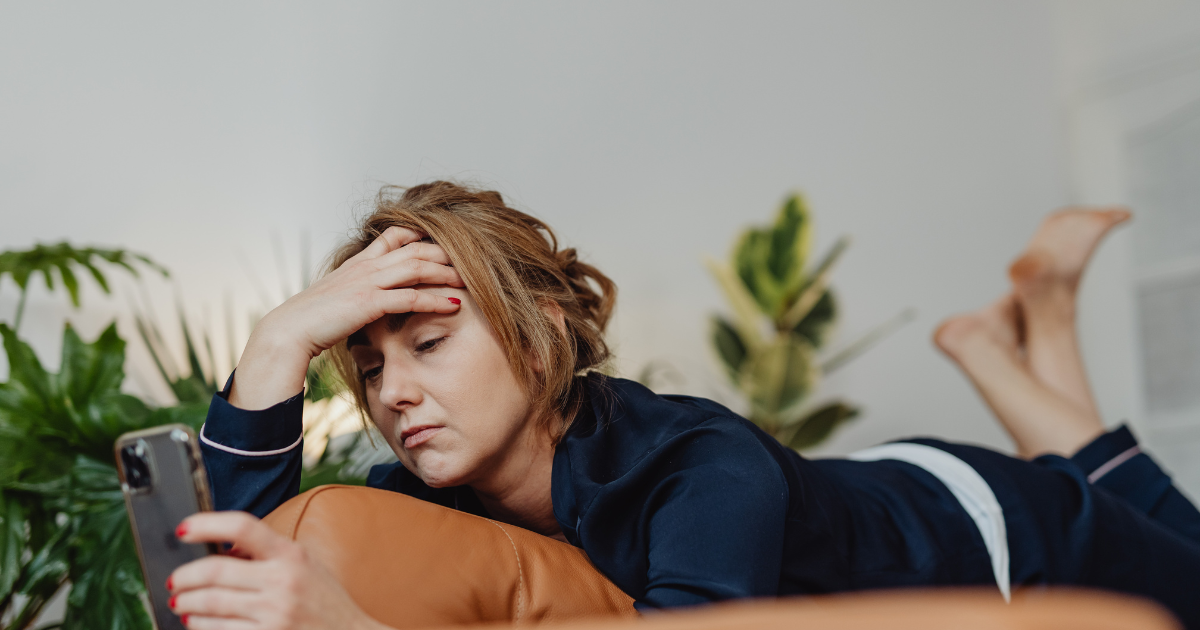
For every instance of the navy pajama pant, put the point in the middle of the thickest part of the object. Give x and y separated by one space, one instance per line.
1106 518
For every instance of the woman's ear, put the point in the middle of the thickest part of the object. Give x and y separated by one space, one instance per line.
556 315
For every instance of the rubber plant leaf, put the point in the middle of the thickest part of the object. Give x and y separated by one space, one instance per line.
867 341
816 325
770 261
750 262
817 426
747 318
730 347
780 375
791 239
815 287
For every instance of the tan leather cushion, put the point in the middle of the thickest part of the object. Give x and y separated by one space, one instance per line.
411 564
944 609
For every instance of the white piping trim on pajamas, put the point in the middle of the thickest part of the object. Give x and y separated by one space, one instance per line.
966 484
238 451
1108 466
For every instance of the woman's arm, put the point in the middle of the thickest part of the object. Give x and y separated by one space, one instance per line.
716 523
375 282
252 436
253 457
718 537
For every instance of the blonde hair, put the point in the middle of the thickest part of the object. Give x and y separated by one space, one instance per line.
514 270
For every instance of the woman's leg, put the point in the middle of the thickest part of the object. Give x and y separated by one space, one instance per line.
1041 373
985 345
1014 350
1045 281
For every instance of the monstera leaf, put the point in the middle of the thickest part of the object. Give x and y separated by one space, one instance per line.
106 580
80 409
62 516
12 538
62 257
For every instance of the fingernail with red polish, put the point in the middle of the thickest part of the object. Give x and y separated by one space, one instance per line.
454 300
183 619
169 582
171 603
181 530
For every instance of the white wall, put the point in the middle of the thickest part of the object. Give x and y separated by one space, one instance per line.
646 133
1131 89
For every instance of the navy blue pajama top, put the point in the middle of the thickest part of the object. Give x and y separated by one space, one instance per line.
680 501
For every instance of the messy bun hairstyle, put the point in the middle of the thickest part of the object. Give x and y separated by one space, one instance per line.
514 270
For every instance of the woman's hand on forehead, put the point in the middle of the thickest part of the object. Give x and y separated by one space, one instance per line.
378 281
391 239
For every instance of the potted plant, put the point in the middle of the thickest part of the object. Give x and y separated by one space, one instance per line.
782 315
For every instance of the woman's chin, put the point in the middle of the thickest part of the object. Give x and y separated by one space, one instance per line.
437 472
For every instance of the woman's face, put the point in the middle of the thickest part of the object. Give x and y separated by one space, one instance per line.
441 391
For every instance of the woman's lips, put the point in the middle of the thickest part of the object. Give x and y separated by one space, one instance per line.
417 436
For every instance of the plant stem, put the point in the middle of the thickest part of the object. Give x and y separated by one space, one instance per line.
20 310
7 600
29 616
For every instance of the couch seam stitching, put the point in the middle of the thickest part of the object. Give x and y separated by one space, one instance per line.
520 573
295 526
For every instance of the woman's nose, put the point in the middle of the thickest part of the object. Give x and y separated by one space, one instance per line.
398 390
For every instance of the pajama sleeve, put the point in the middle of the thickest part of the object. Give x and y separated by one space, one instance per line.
1116 462
253 457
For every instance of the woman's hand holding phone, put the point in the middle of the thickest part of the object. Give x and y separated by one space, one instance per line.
377 281
267 582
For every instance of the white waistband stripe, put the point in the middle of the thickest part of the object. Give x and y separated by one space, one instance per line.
238 451
967 486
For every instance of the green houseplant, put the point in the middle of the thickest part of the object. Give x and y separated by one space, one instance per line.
62 515
783 311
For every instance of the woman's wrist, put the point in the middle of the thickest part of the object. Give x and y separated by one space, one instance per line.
272 369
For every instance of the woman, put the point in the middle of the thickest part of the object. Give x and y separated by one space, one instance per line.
470 341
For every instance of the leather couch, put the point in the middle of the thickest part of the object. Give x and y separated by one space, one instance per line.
412 564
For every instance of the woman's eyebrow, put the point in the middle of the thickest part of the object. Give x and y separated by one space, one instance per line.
358 338
395 322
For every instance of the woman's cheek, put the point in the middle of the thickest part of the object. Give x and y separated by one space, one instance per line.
381 418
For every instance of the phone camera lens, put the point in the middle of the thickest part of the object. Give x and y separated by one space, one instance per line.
137 468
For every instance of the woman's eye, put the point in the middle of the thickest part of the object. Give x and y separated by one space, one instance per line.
426 346
373 373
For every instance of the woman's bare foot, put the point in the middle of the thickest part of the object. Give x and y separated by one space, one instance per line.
1001 321
1045 279
985 345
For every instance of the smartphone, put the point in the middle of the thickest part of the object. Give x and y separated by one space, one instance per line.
163 480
